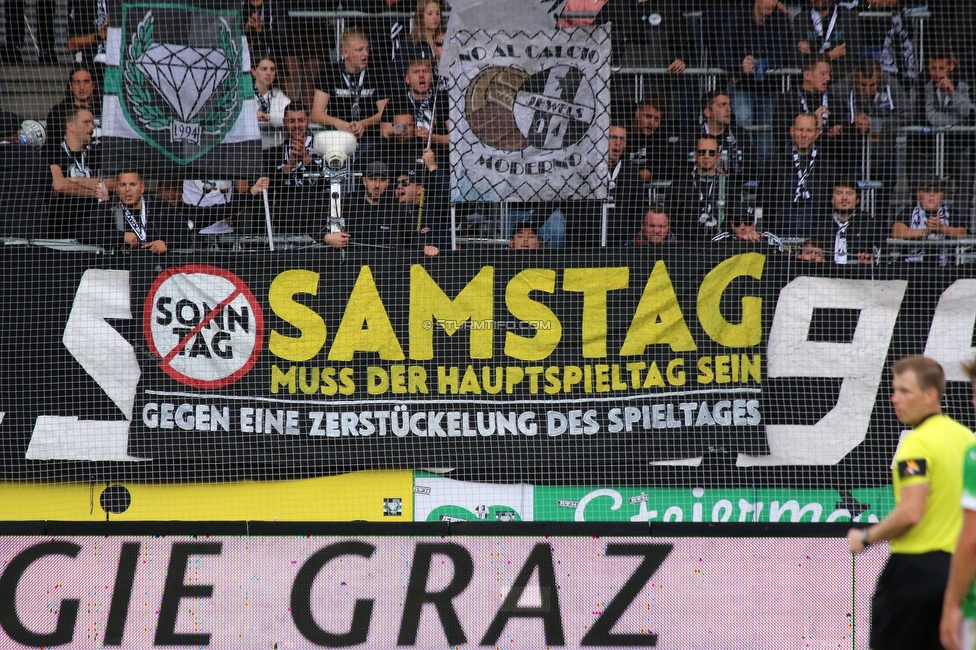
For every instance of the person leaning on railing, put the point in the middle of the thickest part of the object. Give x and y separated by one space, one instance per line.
928 219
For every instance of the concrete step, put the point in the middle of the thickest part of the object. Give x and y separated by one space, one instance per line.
31 91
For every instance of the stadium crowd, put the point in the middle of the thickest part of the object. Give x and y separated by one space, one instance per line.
828 129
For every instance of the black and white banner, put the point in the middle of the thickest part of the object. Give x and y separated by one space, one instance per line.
501 367
531 115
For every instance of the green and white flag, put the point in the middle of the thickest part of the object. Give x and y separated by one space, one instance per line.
178 97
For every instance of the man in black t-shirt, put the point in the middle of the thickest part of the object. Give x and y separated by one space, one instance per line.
421 99
74 177
350 96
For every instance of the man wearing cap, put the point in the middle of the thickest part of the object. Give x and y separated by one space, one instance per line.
929 219
741 227
424 204
370 218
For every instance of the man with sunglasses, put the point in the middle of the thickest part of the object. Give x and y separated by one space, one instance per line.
700 199
424 204
734 154
743 228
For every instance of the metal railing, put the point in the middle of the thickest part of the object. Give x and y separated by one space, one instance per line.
962 250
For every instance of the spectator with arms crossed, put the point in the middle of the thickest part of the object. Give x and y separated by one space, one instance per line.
74 177
349 95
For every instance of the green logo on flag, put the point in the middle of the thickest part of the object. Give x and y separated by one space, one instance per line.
181 97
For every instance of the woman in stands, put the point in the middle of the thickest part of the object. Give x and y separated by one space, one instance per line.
427 23
271 102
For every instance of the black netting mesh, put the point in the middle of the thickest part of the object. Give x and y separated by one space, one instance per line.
608 261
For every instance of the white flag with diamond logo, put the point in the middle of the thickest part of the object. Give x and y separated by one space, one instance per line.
177 85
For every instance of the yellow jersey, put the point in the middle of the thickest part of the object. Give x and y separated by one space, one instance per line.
932 453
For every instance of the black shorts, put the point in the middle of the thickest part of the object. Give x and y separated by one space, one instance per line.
907 602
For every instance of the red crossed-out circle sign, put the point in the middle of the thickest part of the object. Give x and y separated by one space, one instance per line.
205 325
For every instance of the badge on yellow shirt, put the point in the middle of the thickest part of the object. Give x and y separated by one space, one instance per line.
911 467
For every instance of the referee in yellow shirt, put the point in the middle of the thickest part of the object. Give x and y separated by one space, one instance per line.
924 524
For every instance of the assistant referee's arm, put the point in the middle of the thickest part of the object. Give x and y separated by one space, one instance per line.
906 514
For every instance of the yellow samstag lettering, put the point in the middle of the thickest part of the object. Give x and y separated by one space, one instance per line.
365 325
428 303
658 318
749 331
522 307
281 379
281 298
594 285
